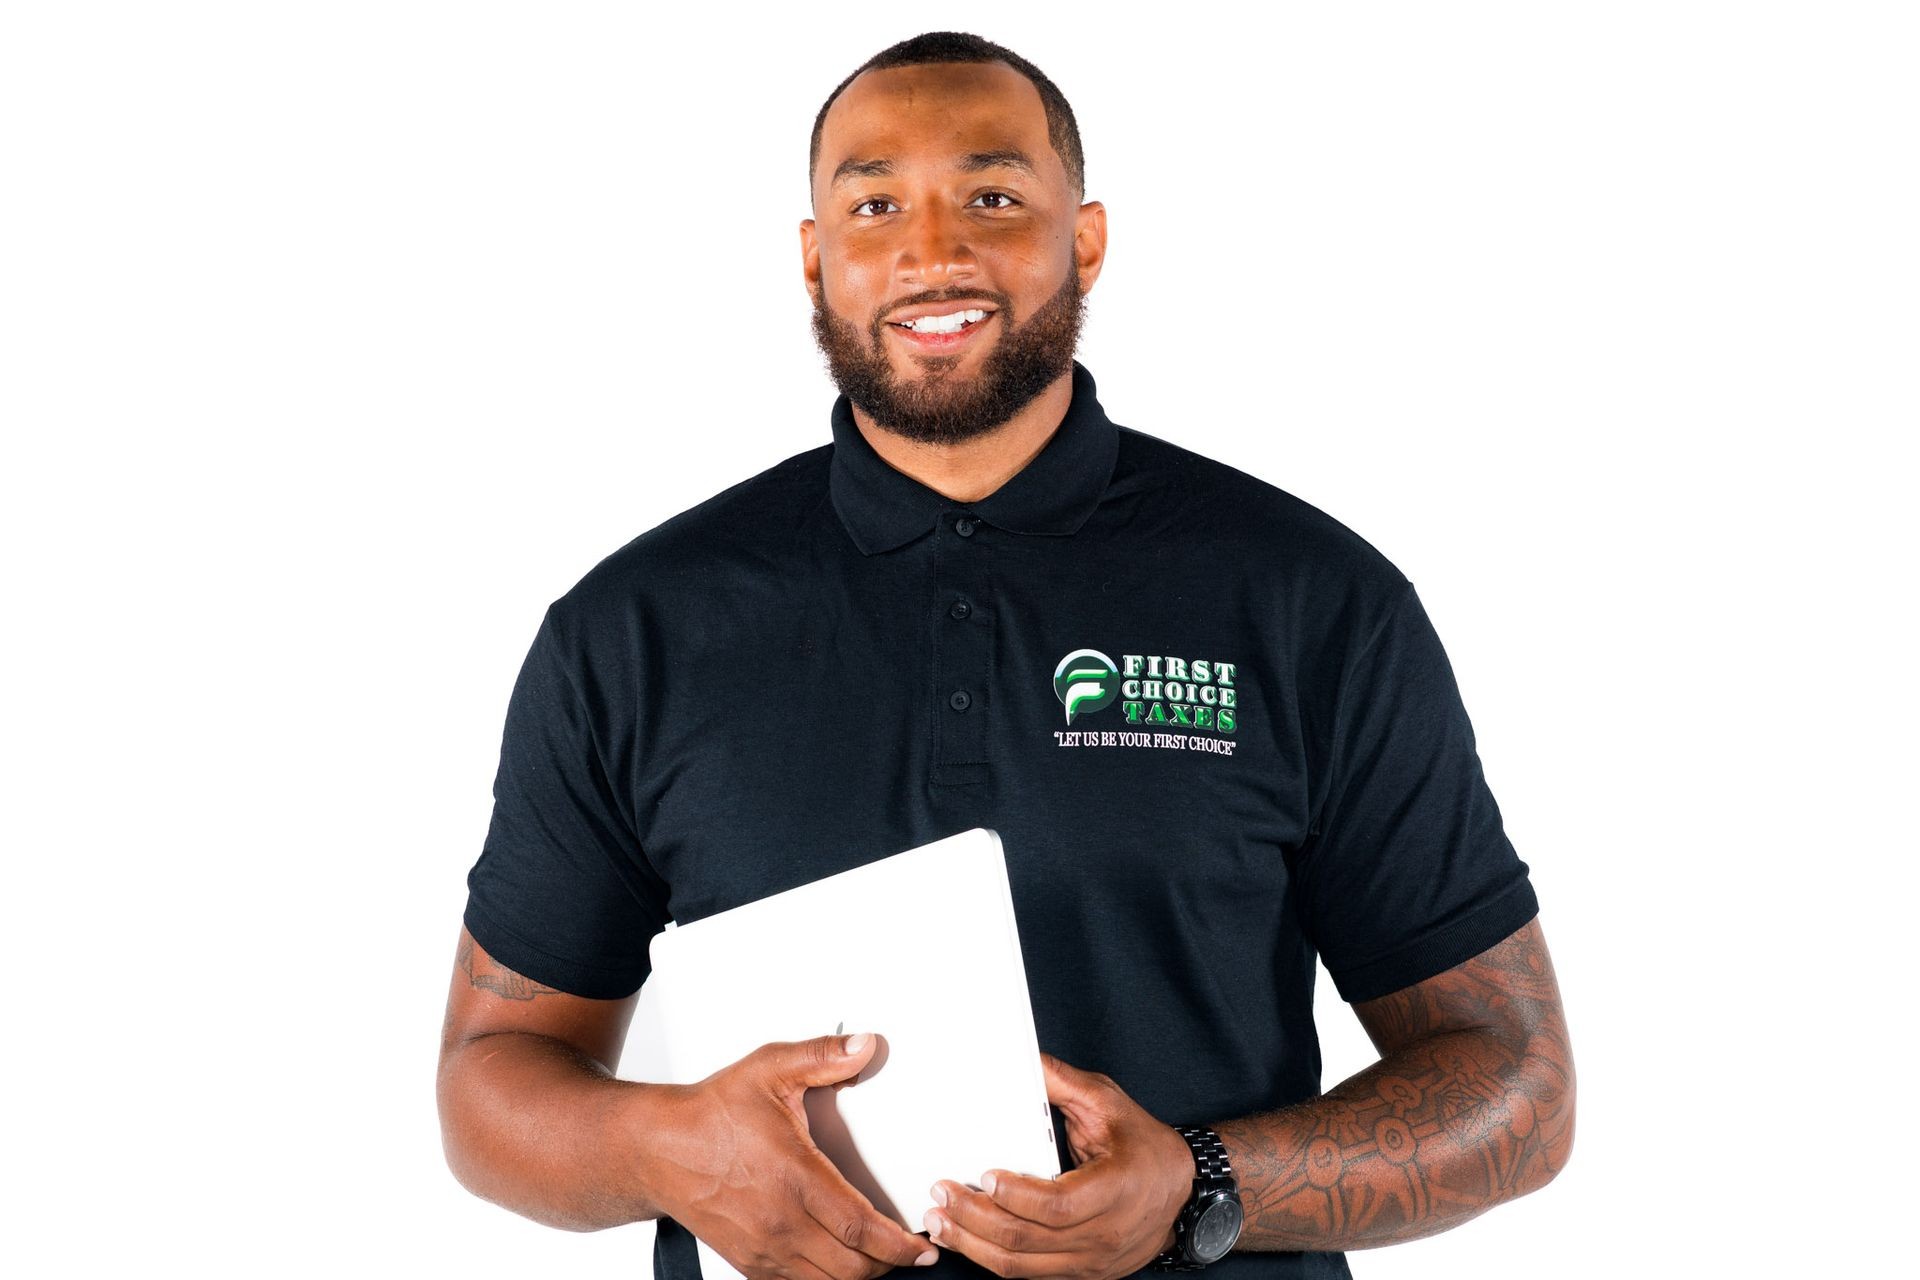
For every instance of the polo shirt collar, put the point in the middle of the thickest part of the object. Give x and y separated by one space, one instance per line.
1054 494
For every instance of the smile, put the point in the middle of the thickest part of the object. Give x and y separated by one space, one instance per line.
942 333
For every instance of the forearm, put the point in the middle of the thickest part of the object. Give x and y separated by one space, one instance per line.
1435 1133
533 1124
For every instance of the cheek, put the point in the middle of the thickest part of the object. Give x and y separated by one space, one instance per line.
1029 262
856 286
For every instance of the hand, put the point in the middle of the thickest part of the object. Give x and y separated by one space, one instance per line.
1108 1217
748 1180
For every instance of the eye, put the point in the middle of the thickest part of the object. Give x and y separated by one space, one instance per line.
997 195
864 203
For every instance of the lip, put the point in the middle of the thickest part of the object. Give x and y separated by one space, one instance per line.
937 341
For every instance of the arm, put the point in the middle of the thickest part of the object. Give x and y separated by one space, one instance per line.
533 1119
530 1114
1472 1103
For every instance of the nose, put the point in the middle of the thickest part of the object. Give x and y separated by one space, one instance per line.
934 252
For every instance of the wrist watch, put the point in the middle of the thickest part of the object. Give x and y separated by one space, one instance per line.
1209 1222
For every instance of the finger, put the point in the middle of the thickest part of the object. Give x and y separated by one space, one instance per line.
948 1232
812 1270
986 1218
817 1247
1066 1201
849 1218
841 1209
791 1255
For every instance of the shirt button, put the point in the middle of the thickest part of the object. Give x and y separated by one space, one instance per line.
960 609
964 526
959 700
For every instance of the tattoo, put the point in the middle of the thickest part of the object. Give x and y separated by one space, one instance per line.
500 980
1471 1105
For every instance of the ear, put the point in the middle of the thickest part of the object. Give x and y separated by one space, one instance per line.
1090 242
809 256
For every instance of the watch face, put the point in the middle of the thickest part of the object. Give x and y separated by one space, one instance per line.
1218 1228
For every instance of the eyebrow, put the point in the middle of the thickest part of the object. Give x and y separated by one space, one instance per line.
972 162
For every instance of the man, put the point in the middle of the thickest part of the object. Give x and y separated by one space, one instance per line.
1213 727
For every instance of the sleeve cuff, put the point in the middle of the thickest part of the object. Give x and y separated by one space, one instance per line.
574 977
1441 948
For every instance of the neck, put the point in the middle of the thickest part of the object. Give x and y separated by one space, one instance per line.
972 469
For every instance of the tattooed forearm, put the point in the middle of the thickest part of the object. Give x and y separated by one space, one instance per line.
1471 1104
501 981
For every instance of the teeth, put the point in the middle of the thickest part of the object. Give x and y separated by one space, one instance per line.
945 324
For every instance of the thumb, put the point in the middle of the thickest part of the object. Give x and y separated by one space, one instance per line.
1085 1095
821 1061
1089 1100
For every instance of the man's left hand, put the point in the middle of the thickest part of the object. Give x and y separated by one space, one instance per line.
1107 1217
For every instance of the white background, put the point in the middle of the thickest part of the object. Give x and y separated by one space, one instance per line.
339 339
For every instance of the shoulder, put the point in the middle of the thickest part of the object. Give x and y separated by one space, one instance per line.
743 524
1222 511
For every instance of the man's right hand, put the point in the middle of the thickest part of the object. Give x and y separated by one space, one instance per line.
741 1171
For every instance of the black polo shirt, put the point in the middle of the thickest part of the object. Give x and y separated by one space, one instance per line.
1213 726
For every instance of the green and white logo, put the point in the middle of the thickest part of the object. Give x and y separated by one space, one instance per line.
1086 680
1154 691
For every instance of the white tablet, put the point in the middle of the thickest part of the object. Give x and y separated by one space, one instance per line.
920 947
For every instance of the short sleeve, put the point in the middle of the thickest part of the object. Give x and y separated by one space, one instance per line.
1410 872
561 891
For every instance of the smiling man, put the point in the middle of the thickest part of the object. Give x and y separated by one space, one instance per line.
1213 726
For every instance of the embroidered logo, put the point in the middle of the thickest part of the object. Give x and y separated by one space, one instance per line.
1153 691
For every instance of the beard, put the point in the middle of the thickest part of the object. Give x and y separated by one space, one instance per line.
941 406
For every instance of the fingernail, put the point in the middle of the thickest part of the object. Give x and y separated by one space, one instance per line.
927 1259
939 1194
856 1043
988 1182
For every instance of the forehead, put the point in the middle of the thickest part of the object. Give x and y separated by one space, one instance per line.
930 114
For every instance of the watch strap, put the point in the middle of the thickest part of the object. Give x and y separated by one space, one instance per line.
1209 1152
1212 1171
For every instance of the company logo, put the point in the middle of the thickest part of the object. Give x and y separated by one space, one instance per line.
1086 680
1153 690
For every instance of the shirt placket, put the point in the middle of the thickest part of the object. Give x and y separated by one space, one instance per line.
963 630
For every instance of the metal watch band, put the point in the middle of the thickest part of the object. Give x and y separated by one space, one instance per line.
1209 1153
1210 1164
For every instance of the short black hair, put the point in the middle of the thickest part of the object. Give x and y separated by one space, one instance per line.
959 46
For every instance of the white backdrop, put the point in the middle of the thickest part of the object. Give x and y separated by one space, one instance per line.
339 339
